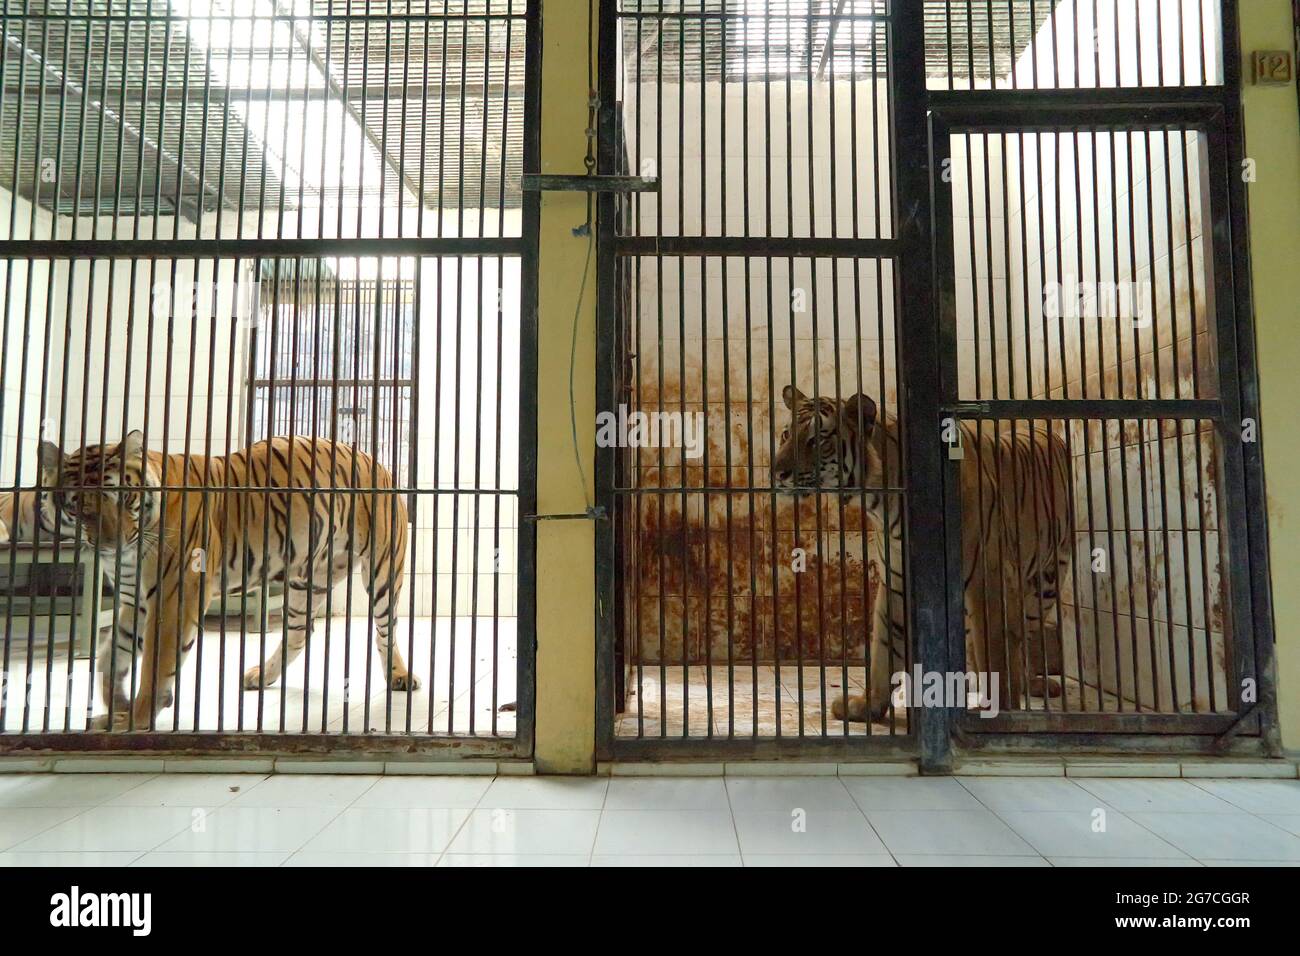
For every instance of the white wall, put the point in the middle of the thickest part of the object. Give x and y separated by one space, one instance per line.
138 351
23 313
459 320
681 135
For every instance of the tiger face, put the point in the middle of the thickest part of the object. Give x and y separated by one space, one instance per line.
110 489
824 442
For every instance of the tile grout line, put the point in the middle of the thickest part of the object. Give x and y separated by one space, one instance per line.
175 835
1105 806
13 848
1020 836
1238 808
731 815
600 821
327 823
81 811
870 826
468 816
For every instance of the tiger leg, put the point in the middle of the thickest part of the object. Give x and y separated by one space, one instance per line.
998 635
115 661
302 595
977 660
170 630
390 563
887 648
384 604
1043 621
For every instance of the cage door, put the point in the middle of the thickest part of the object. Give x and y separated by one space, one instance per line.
1094 480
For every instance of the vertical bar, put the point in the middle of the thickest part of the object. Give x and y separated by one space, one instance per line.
608 630
1228 206
527 494
927 576
890 186
728 505
684 484
416 371
706 502
54 229
768 261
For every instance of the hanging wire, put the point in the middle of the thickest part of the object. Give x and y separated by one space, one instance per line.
593 104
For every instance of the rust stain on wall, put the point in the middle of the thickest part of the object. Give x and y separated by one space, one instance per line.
714 574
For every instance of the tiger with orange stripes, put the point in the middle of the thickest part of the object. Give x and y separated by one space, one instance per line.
1016 539
269 515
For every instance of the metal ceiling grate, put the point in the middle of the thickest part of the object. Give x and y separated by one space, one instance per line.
979 39
757 39
123 105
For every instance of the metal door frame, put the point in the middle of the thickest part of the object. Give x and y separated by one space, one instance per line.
523 248
910 249
1214 111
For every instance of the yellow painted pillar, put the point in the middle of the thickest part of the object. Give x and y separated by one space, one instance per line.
566 576
1273 141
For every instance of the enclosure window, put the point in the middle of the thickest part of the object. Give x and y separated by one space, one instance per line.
341 365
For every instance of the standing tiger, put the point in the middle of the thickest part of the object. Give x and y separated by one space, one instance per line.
269 516
1016 544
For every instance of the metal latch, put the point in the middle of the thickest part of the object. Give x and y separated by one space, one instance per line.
543 182
969 409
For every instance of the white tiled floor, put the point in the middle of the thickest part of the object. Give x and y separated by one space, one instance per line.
312 820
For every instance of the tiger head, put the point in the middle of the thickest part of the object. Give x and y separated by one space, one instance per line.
110 489
821 447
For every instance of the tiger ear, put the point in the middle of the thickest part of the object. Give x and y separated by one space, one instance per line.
792 397
49 459
861 409
132 446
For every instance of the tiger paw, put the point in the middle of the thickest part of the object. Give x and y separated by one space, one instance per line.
855 711
1051 687
120 723
404 682
253 679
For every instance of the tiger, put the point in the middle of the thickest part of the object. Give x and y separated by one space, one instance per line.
1015 553
29 516
130 500
22 511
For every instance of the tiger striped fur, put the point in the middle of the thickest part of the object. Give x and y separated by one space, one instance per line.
133 501
21 511
20 514
1016 543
